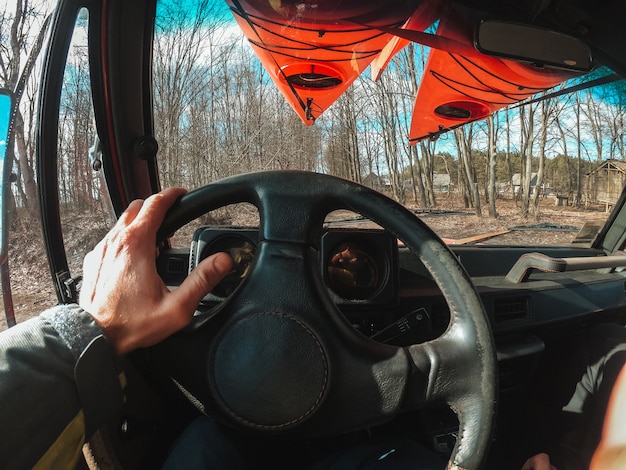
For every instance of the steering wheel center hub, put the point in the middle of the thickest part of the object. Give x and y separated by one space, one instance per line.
270 370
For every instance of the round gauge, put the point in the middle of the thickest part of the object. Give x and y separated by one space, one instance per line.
241 250
353 271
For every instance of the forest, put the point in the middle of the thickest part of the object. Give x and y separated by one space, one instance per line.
216 113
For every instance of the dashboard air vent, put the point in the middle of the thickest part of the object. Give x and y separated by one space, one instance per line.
176 266
508 309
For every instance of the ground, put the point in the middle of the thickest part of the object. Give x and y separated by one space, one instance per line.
33 290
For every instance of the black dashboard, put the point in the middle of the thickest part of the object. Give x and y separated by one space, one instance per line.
387 294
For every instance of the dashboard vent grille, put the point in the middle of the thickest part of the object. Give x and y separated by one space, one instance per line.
509 309
176 266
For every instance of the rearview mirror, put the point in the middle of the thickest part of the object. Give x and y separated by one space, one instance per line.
6 119
528 43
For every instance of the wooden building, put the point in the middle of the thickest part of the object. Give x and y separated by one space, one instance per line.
604 184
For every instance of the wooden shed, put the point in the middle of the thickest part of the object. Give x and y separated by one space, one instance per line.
604 184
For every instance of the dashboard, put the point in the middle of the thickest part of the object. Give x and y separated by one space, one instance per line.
387 294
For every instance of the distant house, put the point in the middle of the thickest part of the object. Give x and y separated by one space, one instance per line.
375 181
441 182
516 183
604 184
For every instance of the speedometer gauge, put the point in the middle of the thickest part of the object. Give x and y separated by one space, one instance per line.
352 272
242 251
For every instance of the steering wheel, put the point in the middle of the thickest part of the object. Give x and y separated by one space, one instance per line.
277 356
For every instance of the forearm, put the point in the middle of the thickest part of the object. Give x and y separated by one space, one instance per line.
48 401
611 453
602 357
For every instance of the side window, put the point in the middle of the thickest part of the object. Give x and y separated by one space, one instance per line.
86 213
84 204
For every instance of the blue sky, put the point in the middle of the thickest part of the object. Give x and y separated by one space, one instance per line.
5 113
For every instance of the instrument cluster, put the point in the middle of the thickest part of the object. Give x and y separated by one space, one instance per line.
358 266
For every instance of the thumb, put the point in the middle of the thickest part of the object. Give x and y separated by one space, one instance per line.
201 281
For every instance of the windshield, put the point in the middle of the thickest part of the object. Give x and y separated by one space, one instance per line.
543 171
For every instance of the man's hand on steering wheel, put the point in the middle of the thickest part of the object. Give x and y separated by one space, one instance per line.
122 289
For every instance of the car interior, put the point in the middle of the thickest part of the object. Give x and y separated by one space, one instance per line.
346 316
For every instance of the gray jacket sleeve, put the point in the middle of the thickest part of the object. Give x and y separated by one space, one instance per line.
59 381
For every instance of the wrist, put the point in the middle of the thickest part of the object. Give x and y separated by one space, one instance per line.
97 374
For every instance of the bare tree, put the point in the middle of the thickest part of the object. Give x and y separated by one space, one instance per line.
467 173
184 59
426 171
76 133
546 119
509 165
346 161
22 32
594 116
577 198
527 139
491 153
411 61
569 182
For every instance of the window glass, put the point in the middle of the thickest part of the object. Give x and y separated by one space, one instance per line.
546 172
86 213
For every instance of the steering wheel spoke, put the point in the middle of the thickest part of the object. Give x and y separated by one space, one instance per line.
446 361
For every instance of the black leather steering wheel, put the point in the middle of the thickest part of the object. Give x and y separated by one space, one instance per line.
278 356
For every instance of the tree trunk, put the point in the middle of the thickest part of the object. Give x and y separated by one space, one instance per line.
464 145
26 170
527 115
491 186
545 114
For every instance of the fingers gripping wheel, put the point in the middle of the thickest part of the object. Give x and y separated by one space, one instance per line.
277 355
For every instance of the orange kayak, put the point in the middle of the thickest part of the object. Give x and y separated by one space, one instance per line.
313 51
317 55
459 88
